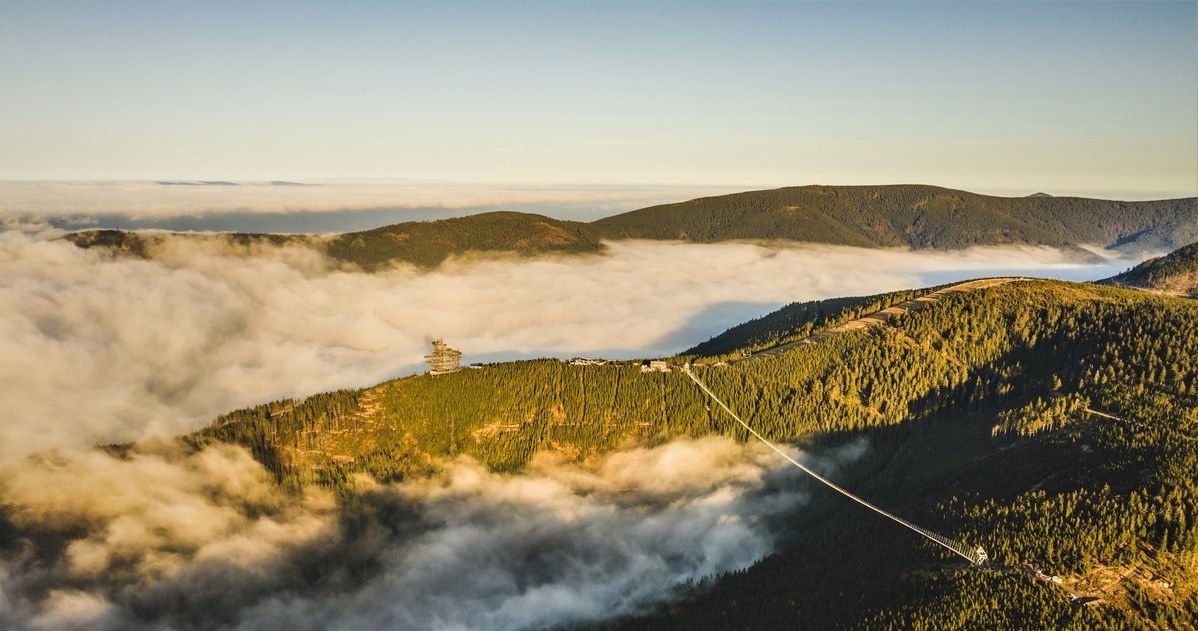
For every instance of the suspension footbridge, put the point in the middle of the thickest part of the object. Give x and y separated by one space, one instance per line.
975 555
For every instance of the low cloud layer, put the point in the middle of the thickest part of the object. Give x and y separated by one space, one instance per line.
104 349
97 540
160 538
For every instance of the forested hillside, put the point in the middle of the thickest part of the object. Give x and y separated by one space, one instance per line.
428 243
912 216
1075 450
918 217
422 243
1054 423
796 321
1175 273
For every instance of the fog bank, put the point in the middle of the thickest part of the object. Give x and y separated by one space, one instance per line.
100 348
314 206
111 349
164 538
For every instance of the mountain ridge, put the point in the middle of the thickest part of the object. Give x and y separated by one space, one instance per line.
1175 273
911 216
1052 422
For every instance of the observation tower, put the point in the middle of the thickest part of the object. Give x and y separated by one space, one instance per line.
443 359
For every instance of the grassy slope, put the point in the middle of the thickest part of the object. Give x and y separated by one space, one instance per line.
1175 273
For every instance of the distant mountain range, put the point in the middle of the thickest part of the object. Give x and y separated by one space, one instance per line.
911 216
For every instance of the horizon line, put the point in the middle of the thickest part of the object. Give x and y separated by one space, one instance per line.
213 182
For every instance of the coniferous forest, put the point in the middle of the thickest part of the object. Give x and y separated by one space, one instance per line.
1054 423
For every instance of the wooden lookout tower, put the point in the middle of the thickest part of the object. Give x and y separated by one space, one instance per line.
443 359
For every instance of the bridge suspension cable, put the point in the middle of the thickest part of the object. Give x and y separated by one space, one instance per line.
976 556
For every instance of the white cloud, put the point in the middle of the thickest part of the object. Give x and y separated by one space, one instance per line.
104 349
106 531
164 538
99 348
564 542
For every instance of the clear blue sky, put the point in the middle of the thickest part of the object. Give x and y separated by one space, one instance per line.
1067 97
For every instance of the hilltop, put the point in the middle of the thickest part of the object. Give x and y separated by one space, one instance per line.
911 216
422 243
1175 273
428 243
1054 422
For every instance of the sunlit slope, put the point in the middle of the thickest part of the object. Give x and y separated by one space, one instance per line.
1175 273
915 216
501 413
1001 345
428 243
1074 451
1054 423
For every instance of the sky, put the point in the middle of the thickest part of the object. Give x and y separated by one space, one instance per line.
1089 98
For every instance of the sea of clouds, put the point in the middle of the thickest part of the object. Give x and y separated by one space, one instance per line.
165 539
99 348
109 349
